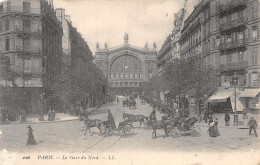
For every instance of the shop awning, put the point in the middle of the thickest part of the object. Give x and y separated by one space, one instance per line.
250 92
220 96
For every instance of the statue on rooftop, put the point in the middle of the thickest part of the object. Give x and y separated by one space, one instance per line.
126 38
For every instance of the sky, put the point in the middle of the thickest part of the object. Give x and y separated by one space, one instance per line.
108 20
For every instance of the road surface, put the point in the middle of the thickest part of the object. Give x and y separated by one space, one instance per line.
68 136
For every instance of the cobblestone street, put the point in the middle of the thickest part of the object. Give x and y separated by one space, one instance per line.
68 136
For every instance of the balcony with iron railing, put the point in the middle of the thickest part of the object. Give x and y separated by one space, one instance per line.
232 6
20 10
27 33
28 49
28 70
238 23
233 45
233 66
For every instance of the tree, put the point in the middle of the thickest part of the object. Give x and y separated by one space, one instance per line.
190 76
6 73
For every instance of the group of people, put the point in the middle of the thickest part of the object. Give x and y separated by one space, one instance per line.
213 125
213 128
51 114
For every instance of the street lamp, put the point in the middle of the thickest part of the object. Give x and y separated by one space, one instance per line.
41 118
235 80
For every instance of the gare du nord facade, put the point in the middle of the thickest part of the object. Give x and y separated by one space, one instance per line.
126 66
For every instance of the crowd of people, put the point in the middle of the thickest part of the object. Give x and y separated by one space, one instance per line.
213 124
7 115
51 114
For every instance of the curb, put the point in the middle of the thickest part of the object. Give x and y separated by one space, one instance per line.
55 121
228 127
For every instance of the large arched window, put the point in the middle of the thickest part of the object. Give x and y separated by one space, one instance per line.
126 67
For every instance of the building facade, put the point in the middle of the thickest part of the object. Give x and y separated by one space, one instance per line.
190 40
66 43
31 36
76 57
225 34
171 47
126 66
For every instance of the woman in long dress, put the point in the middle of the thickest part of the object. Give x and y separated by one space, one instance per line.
30 140
216 127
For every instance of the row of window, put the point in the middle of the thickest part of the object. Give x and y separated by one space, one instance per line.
250 79
20 44
230 38
28 65
26 8
125 84
231 58
126 76
25 24
193 39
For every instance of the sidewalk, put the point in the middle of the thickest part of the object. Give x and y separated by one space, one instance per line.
221 121
59 117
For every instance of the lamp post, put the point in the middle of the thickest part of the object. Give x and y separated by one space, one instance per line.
41 118
235 80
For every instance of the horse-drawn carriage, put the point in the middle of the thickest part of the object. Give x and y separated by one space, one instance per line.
131 103
105 127
174 126
187 128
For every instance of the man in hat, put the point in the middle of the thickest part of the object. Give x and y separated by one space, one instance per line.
152 116
252 125
227 119
111 120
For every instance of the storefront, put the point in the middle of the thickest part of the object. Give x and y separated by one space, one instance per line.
220 101
250 98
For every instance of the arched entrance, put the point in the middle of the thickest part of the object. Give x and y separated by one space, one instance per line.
126 74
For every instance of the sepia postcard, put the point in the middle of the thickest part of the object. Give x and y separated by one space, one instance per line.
129 82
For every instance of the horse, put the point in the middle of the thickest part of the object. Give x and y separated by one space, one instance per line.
89 123
134 118
167 125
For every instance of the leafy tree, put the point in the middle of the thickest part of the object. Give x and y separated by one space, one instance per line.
190 76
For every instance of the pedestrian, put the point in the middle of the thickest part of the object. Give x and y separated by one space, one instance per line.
41 118
210 119
23 116
111 120
206 115
216 126
30 140
212 130
244 113
211 112
227 119
50 115
252 125
53 114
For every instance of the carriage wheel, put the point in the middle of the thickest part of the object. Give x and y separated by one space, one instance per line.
109 131
128 129
195 131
